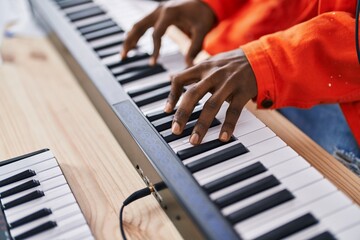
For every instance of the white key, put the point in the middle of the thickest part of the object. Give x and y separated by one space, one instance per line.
105 41
253 199
51 194
47 170
255 151
335 223
25 163
247 140
129 65
301 179
44 186
63 226
268 160
295 181
78 8
303 196
319 209
155 106
343 219
77 233
352 233
148 81
290 167
54 204
91 20
239 185
56 215
242 128
308 232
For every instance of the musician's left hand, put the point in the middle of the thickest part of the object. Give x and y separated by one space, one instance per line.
229 77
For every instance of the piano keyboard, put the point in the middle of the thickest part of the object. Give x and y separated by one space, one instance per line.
253 187
36 200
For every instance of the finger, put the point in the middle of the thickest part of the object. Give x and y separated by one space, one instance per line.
232 116
188 102
178 81
164 21
137 31
208 113
195 46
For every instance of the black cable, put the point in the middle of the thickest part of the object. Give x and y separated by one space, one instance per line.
135 196
357 30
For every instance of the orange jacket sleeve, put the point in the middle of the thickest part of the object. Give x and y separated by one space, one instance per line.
224 8
311 63
249 20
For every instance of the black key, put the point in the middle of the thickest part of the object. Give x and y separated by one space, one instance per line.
85 13
147 89
151 97
218 157
96 26
22 187
323 236
240 175
108 42
247 191
169 136
260 206
103 33
109 51
72 3
17 177
195 150
289 228
32 217
165 123
138 72
137 57
24 199
39 229
159 114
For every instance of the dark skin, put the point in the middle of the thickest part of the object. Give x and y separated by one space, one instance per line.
227 76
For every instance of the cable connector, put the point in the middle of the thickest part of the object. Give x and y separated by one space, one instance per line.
135 196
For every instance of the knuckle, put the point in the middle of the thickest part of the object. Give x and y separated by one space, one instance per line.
181 115
193 92
211 105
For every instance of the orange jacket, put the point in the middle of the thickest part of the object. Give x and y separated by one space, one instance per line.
302 52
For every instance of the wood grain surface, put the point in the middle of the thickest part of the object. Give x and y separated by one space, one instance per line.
42 106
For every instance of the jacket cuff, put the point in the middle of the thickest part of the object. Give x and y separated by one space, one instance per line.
264 74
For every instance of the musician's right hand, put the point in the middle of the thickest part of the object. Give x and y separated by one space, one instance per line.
193 17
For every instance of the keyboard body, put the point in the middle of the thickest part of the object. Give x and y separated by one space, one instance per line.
188 187
36 200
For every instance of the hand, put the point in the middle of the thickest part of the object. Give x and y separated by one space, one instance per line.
193 17
229 77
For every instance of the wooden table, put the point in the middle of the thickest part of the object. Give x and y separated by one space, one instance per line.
42 106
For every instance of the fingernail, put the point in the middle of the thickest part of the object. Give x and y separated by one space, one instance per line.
224 136
175 128
167 108
194 139
152 61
